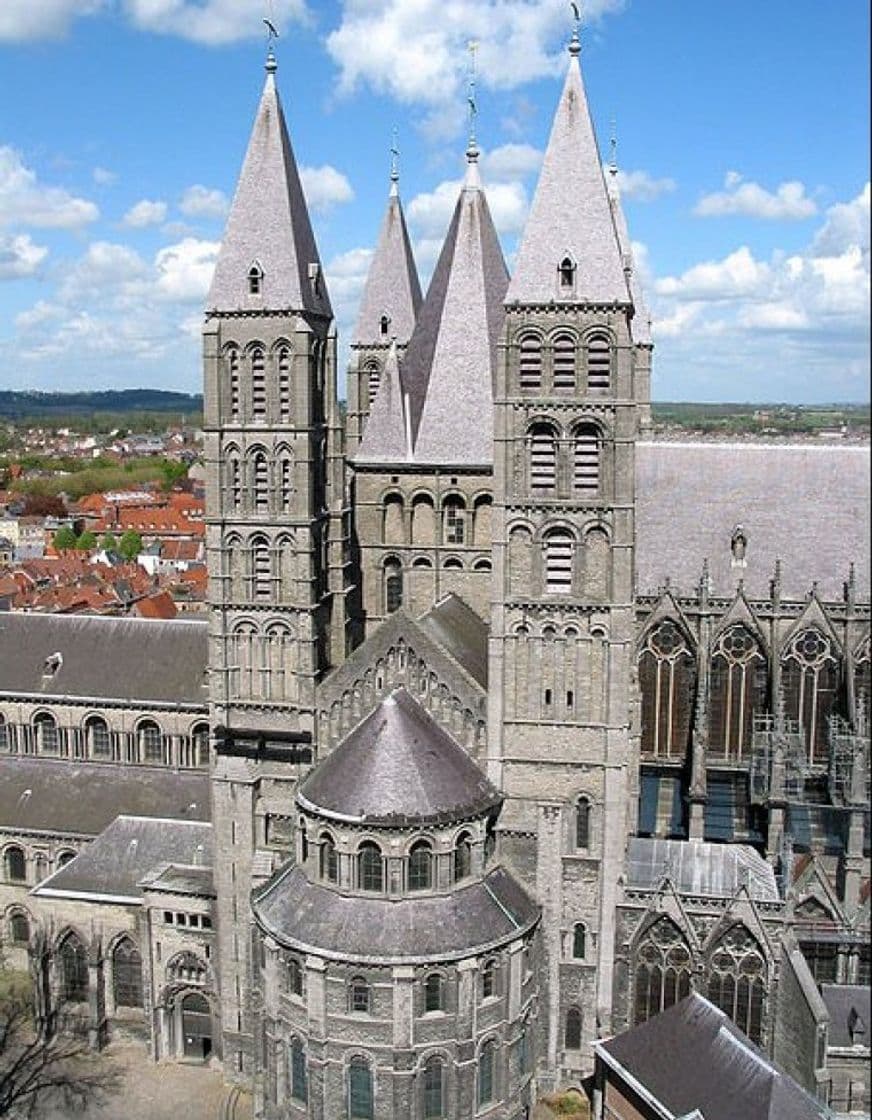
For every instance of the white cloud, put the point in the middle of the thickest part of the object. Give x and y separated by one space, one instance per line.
210 22
325 187
642 186
104 272
184 271
24 20
430 212
201 202
25 201
103 177
737 275
418 52
511 161
145 213
788 203
38 315
19 256
847 225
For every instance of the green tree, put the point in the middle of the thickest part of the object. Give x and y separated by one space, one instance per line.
130 544
172 472
109 541
64 538
87 541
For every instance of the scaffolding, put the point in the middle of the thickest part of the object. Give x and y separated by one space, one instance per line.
779 759
848 774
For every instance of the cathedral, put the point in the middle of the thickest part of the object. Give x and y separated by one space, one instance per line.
511 724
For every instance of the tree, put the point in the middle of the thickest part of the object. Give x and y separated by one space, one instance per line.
86 541
130 544
44 505
64 538
172 472
37 1072
109 542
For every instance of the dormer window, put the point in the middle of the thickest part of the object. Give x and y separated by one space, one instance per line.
566 274
384 325
52 664
255 280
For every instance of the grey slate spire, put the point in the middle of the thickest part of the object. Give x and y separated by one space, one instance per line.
641 324
269 229
570 216
392 287
449 364
386 435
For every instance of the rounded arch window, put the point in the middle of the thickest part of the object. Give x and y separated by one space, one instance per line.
422 562
566 273
15 864
5 736
579 940
359 996
559 561
98 737
542 441
434 1089
393 577
370 867
299 1072
361 1104
150 741
255 279
572 1029
19 927
489 979
486 1071
462 857
421 866
329 860
599 361
200 744
452 564
481 566
434 992
47 735
530 362
65 857
563 348
586 453
454 520
582 822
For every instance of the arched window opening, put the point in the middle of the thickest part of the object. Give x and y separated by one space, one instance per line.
667 678
586 460
579 940
566 274
151 743
200 745
234 480
258 384
530 363
572 1030
260 481
423 520
255 279
5 736
384 324
822 958
295 977
737 980
462 857
564 363
73 969
393 586
434 992
481 524
559 561
64 858
126 974
810 680
329 860
433 1085
370 867
420 866
599 362
359 996
372 373
360 1090
19 928
543 458
261 569
663 970
286 480
486 1073
299 1078
737 690
233 383
489 976
454 520
47 734
582 823
99 738
394 520
452 564
284 371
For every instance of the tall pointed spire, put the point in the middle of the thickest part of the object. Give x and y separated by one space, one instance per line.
449 366
570 216
386 435
641 324
392 293
269 260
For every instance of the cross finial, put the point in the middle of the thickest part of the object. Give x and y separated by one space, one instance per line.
472 146
575 44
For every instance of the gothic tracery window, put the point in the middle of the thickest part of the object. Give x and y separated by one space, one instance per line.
666 678
73 970
663 969
810 677
126 974
737 980
737 690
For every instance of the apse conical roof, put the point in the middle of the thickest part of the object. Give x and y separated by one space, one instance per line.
269 227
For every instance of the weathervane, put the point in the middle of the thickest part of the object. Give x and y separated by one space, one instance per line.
613 145
575 45
395 156
472 47
271 34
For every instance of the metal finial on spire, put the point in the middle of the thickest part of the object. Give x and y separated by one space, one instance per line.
271 34
395 158
575 43
613 148
472 146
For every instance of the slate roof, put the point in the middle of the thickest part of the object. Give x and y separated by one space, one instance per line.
385 438
844 1002
82 798
712 1066
147 660
448 367
312 917
113 865
398 766
570 214
699 868
641 322
392 287
269 224
461 633
805 504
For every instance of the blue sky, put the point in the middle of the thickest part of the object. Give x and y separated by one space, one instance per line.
742 141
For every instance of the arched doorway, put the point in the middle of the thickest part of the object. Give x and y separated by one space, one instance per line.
196 1027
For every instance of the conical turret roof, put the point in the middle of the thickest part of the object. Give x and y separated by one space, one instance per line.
641 325
269 228
449 364
392 286
385 438
570 216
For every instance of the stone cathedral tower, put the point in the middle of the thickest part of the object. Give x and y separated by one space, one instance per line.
570 387
276 521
